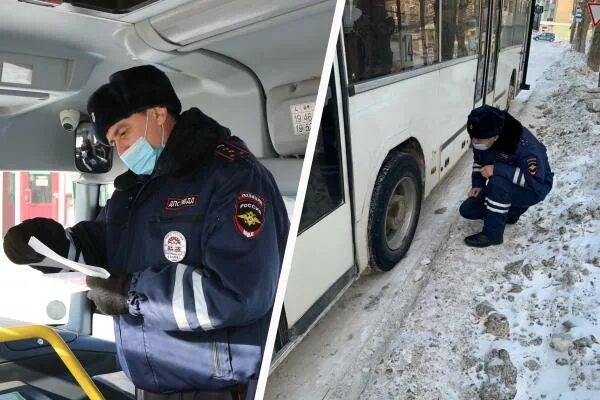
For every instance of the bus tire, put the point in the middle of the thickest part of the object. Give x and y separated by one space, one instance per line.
511 92
395 209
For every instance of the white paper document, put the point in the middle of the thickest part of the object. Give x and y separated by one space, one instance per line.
54 260
73 281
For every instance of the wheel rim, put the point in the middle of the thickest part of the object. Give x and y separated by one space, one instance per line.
511 95
399 213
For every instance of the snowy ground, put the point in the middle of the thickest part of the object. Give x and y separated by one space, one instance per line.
513 321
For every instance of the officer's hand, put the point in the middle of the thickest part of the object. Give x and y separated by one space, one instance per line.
474 192
487 171
48 231
110 295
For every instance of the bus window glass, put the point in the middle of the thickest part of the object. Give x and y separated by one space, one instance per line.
26 294
483 25
384 37
520 27
459 28
325 190
491 77
508 23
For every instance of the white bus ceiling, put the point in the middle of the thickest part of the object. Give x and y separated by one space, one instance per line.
285 48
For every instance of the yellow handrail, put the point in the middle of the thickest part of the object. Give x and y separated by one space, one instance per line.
63 351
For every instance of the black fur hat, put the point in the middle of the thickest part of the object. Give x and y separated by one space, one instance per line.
485 122
129 91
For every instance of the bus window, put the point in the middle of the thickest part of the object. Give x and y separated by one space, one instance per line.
491 77
520 25
325 190
26 294
459 28
508 23
483 31
384 37
106 191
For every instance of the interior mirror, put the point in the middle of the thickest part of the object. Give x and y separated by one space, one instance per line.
91 155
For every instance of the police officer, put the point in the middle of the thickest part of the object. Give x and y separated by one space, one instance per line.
193 236
510 173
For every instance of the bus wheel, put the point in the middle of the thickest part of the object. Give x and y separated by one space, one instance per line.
395 209
511 94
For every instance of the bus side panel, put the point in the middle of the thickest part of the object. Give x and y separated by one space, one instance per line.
457 85
381 119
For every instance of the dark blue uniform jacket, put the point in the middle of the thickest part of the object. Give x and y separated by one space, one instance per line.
203 237
526 167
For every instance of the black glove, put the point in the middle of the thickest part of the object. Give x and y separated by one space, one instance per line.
48 231
110 295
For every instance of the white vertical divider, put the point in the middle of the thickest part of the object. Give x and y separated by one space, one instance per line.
308 157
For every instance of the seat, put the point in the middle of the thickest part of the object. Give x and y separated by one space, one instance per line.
286 172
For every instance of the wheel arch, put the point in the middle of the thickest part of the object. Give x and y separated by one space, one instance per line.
413 147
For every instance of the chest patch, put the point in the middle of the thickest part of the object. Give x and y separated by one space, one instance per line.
174 246
230 151
532 165
249 214
177 203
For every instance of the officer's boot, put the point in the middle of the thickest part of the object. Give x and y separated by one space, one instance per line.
497 203
482 240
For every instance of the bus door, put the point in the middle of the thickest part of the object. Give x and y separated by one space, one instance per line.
323 262
39 195
494 46
489 37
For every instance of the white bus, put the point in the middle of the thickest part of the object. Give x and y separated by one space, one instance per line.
406 75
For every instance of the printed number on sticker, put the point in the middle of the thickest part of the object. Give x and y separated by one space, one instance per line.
302 117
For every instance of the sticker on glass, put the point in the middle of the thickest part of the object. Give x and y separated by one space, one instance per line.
302 117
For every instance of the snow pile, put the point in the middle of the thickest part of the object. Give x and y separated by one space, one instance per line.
518 320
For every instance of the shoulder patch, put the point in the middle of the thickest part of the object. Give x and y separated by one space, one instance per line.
249 214
230 151
532 164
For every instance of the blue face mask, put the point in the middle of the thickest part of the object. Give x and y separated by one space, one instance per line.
141 157
481 146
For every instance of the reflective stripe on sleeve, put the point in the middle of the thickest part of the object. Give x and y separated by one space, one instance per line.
200 301
177 303
516 176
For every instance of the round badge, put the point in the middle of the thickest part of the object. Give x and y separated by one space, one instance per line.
174 246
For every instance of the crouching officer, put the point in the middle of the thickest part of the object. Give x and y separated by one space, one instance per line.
510 173
193 236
